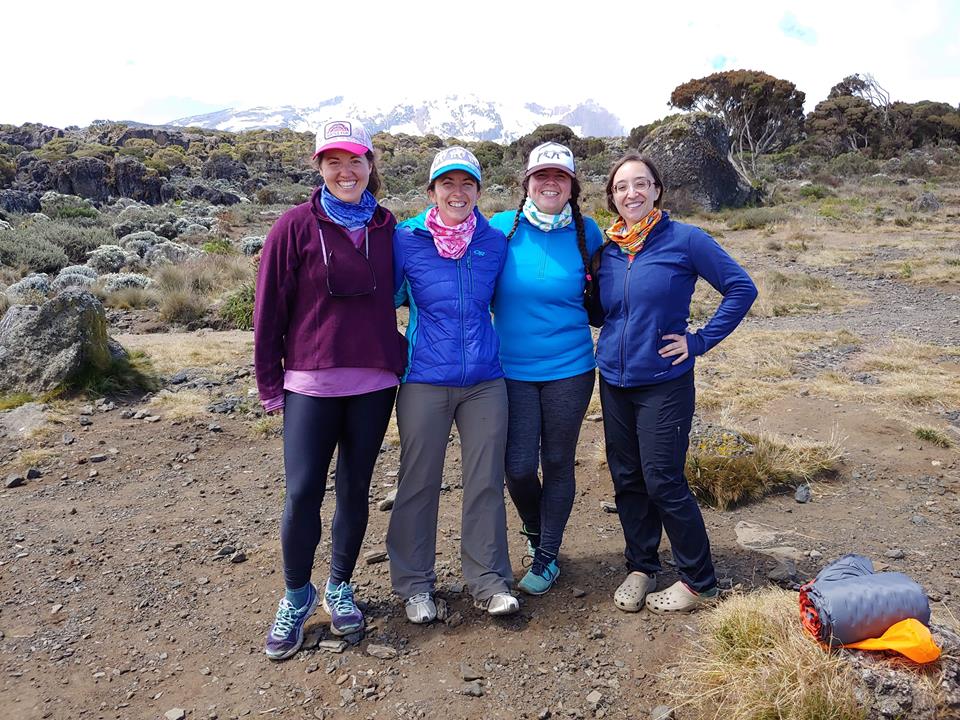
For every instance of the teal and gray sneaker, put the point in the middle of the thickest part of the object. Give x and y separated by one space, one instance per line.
541 575
338 602
286 634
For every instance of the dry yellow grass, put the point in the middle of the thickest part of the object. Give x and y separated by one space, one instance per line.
754 660
911 377
183 405
171 352
781 294
753 367
723 479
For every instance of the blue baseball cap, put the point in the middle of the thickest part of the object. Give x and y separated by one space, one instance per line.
454 158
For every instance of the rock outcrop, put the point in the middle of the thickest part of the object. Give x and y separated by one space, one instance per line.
47 346
691 154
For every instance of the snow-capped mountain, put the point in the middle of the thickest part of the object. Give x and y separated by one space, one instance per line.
466 117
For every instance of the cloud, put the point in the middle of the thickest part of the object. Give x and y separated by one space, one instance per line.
792 29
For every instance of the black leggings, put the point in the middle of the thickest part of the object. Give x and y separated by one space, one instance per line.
312 428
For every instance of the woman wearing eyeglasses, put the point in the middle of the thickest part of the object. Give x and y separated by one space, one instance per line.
328 356
446 264
645 353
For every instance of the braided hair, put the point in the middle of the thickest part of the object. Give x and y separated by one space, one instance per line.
577 223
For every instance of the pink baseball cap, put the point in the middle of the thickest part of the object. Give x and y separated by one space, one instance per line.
343 134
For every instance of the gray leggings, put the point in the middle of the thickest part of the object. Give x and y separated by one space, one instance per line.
425 414
545 420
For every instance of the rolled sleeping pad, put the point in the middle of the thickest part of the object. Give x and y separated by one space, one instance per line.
848 601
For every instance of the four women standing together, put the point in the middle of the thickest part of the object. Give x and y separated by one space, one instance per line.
327 352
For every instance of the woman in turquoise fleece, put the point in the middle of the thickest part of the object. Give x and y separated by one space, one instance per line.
546 350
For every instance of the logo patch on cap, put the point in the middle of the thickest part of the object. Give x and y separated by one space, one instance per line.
337 129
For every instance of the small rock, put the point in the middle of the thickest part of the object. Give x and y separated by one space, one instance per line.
127 414
384 652
86 410
68 439
815 554
152 418
56 608
226 550
918 520
371 557
608 506
204 671
472 689
457 587
544 714
334 646
33 473
803 494
785 573
594 418
579 592
353 638
387 502
311 638
85 421
594 698
662 712
175 714
346 696
238 557
468 673
895 554
98 458
180 377
139 414
14 480
214 428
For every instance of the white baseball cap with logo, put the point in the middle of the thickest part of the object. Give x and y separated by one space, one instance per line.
344 134
551 155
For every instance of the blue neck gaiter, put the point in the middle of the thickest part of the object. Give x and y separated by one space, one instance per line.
349 215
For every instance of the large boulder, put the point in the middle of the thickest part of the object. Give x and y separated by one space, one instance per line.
48 346
132 179
223 167
17 201
29 135
691 154
87 177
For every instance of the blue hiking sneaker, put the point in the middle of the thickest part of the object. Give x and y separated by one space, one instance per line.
541 575
286 635
345 616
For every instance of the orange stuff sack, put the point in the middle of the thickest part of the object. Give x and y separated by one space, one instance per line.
909 637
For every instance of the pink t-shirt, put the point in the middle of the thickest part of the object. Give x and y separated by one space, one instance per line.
337 381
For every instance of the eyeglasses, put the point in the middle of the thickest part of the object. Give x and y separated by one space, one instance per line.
641 184
353 279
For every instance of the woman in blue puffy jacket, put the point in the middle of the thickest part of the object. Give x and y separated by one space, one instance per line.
446 263
647 272
546 350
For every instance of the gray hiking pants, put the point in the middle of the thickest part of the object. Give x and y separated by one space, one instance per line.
425 414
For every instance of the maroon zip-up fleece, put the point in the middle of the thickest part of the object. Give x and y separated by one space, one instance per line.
298 325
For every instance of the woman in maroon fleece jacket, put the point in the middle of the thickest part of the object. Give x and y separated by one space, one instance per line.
328 355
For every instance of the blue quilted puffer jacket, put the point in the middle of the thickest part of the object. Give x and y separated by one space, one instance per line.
451 340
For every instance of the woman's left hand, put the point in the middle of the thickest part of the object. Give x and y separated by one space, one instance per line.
678 348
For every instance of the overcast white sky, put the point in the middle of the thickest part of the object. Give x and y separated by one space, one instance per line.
153 62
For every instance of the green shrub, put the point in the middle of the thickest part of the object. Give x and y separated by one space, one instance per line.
8 170
29 251
815 191
125 375
75 211
753 218
220 246
853 164
237 309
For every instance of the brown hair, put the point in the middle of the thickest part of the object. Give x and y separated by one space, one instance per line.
373 184
633 157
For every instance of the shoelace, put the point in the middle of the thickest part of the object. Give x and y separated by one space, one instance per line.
342 597
419 598
285 620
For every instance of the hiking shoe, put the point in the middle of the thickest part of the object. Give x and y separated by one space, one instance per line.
502 603
286 635
345 616
421 608
540 577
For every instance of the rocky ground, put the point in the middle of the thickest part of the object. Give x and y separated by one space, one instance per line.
140 570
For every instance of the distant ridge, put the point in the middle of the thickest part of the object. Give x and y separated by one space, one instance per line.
466 117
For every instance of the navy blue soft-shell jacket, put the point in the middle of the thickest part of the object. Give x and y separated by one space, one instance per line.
650 297
451 340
